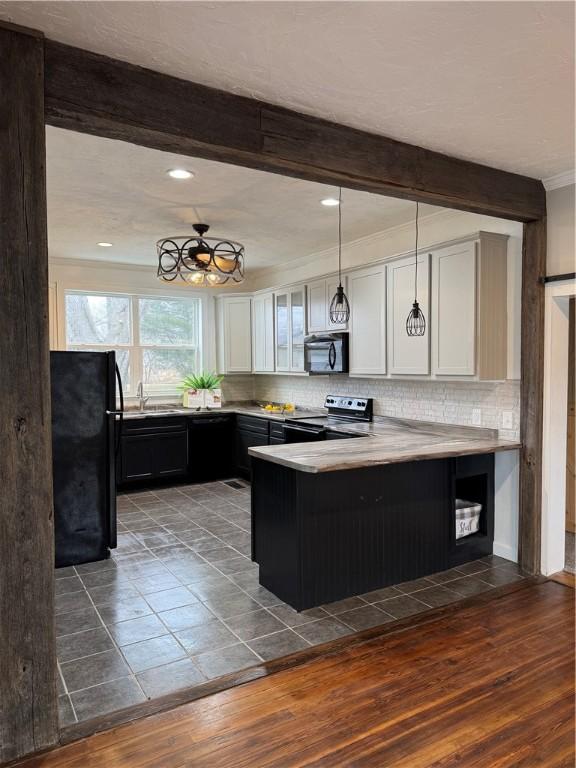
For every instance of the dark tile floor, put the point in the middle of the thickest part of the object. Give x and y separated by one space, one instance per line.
179 602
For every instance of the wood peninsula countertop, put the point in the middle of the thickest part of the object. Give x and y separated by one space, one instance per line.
384 441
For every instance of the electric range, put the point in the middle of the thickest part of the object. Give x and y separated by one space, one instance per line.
340 410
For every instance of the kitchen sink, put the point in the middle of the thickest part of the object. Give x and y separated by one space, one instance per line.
153 412
164 410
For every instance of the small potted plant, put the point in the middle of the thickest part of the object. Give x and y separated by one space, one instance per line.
202 390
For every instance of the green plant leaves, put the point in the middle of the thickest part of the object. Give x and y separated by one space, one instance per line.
204 380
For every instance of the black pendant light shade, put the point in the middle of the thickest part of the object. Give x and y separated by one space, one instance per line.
339 313
339 307
416 322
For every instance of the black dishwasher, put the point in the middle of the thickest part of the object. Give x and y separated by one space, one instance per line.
210 447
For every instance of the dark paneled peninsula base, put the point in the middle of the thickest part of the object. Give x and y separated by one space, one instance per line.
321 537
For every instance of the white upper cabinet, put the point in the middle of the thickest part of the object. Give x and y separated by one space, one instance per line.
282 306
297 327
462 291
407 354
234 334
263 333
290 316
453 321
320 294
367 295
469 317
317 315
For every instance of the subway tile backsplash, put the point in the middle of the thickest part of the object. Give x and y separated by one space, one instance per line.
442 401
238 388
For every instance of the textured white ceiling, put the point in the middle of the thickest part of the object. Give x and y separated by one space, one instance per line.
487 81
112 191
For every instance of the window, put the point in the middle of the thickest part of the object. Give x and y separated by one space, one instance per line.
156 339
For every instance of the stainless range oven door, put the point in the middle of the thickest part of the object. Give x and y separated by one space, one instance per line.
299 434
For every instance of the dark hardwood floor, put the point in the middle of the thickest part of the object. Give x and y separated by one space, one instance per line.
488 686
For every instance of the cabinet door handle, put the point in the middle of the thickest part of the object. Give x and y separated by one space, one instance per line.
332 356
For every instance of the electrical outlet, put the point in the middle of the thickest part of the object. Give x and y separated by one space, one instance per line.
507 420
477 417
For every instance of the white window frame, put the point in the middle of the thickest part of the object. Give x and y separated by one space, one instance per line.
134 348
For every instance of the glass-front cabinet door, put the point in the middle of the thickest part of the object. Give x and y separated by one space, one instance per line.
282 332
290 313
297 327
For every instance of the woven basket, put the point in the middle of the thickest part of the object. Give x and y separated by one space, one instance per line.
467 518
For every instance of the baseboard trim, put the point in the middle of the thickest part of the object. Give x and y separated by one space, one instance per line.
505 551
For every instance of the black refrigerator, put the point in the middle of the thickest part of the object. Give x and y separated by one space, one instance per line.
83 388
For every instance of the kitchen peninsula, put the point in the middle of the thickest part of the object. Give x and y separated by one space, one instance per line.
334 519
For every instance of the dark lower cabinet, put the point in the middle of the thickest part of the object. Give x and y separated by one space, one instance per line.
199 447
472 479
277 433
321 537
153 449
251 431
171 455
244 440
137 458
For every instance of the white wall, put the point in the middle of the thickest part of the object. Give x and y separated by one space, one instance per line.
506 504
561 258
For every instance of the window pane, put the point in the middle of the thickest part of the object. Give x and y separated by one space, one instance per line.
169 321
97 319
165 367
122 361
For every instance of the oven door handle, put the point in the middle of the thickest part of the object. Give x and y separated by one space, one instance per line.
293 428
332 356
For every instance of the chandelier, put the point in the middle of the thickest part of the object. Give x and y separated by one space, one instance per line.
199 260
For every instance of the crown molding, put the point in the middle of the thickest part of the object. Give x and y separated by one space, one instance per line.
565 179
364 240
62 261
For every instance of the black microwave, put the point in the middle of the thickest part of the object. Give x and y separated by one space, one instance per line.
326 353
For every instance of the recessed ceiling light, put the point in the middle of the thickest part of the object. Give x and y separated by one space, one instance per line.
105 245
328 201
180 173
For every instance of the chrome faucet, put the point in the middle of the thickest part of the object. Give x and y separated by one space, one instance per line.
140 395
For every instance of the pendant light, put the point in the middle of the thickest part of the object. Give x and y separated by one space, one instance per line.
416 322
339 306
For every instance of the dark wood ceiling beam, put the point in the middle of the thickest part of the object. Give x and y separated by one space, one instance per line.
94 94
